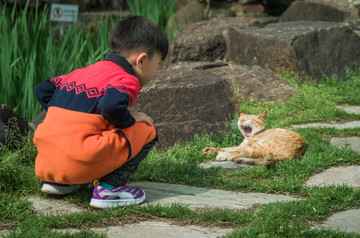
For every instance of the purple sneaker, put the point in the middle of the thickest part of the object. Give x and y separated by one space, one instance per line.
121 196
57 188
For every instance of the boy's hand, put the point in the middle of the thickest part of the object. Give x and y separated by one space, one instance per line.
140 116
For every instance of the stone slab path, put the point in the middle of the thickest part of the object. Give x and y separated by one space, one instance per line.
154 229
53 207
352 142
339 126
193 197
347 221
349 176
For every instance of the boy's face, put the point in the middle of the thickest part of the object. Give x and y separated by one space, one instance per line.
147 68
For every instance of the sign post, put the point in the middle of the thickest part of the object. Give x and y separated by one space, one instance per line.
63 13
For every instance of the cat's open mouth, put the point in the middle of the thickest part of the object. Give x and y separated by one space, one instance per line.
247 130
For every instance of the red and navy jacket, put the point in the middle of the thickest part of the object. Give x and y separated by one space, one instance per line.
107 88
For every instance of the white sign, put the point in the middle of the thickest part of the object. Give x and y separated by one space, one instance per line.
64 12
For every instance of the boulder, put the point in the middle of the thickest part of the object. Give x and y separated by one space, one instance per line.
184 103
313 49
38 119
200 99
254 82
204 41
12 127
349 7
311 11
190 13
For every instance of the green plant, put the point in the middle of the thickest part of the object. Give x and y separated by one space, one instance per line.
32 51
158 11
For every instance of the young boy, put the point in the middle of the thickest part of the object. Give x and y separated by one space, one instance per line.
89 134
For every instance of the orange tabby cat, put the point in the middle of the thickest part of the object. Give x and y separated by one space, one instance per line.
261 145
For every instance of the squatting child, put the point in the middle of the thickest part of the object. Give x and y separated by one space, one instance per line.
89 133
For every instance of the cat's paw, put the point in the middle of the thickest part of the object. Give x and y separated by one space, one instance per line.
268 160
208 150
222 156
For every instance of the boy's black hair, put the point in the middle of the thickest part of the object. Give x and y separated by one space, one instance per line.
138 33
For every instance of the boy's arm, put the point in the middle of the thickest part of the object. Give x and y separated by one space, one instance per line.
114 108
44 92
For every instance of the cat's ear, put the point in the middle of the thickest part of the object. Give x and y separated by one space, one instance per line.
262 116
242 114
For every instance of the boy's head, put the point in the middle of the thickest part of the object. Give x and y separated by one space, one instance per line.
142 43
136 34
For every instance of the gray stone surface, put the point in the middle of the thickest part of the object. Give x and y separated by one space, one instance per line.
223 164
53 207
157 229
351 124
311 11
347 221
350 109
349 175
352 142
302 46
194 197
346 125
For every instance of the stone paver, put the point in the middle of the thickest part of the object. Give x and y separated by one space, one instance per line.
224 165
156 229
53 207
347 221
350 109
347 125
194 197
351 142
349 175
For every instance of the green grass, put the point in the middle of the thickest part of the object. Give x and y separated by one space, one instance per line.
179 165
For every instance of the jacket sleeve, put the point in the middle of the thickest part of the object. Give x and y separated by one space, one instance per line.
44 92
114 108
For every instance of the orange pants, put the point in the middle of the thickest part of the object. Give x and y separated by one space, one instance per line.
75 147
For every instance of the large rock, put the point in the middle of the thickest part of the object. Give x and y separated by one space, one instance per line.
198 99
187 102
254 82
349 7
12 127
204 41
311 11
314 49
190 13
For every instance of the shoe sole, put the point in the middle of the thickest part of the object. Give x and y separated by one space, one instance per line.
52 189
101 204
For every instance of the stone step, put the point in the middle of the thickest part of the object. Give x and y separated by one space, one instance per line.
339 126
350 109
346 221
348 175
195 197
156 229
53 207
351 142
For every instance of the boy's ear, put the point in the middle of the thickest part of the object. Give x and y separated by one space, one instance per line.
140 58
